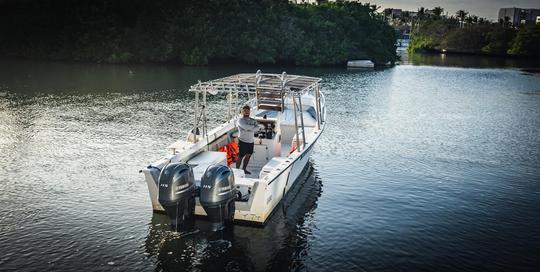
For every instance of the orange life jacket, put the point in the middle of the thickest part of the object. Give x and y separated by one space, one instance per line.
232 152
292 149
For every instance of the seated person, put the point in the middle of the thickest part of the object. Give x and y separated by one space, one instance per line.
231 149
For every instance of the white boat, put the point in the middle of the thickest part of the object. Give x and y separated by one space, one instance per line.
360 64
290 110
402 44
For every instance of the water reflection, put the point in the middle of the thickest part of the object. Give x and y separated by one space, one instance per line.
34 77
468 61
81 78
279 246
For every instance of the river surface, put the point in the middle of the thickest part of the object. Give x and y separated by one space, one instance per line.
421 167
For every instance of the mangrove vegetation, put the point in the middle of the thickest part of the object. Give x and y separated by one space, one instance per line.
195 32
465 33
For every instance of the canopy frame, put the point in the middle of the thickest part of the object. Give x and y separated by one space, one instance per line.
270 91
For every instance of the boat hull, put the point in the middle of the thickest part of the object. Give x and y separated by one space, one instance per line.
290 115
267 193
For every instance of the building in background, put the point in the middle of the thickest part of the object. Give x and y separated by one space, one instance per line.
518 16
401 20
316 2
304 1
396 13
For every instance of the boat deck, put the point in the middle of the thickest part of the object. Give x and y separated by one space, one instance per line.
255 170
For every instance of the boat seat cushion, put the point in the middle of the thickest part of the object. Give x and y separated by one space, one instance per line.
271 165
201 162
287 119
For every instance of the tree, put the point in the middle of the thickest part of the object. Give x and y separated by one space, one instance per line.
479 37
387 12
469 20
527 41
421 13
461 14
506 22
438 11
498 40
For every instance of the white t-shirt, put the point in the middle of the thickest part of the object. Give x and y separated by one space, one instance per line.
247 127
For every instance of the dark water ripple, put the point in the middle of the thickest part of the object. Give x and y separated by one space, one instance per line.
420 168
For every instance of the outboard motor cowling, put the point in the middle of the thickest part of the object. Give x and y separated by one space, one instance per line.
217 195
177 192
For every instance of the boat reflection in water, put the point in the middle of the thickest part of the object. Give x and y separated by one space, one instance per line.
277 246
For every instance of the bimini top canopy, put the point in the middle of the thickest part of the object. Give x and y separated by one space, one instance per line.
259 82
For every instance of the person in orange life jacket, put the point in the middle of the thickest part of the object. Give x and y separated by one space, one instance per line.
231 149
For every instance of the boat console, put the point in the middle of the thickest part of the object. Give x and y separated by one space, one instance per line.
266 144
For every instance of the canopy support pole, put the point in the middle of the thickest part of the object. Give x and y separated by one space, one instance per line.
196 119
296 123
302 121
318 105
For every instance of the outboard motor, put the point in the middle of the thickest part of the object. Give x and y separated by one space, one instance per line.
177 192
217 195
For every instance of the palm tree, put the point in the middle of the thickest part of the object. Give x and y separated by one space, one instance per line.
469 20
507 22
438 11
461 16
421 13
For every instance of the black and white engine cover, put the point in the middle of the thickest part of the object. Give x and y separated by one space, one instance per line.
177 192
218 193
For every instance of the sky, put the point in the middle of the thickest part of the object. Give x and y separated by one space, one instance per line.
482 8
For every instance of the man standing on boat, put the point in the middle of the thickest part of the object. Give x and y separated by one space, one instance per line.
246 127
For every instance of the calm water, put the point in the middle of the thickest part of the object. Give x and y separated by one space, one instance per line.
420 168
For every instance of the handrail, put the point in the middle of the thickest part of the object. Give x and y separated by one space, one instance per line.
283 84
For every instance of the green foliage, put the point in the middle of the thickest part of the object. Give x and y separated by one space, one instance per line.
195 32
498 41
421 43
467 40
120 58
527 41
430 34
474 35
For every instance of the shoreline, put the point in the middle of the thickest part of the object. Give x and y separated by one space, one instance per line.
218 63
474 54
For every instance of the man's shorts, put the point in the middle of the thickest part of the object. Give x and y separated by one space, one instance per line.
245 148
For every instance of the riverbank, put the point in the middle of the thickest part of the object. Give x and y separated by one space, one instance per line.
195 33
470 61
486 38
